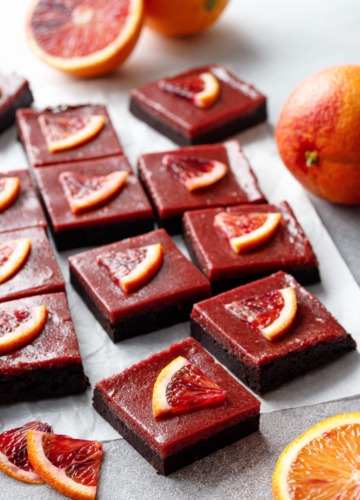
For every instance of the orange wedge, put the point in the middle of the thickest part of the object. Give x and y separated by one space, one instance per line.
9 190
203 89
209 95
13 255
323 463
84 37
247 231
20 326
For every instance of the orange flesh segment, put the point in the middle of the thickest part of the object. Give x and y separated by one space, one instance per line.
207 179
211 92
9 190
10 263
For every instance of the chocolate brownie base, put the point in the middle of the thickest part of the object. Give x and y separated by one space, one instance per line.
267 377
216 135
8 114
166 466
43 383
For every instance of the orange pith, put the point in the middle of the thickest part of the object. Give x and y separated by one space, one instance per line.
210 93
9 190
13 255
322 463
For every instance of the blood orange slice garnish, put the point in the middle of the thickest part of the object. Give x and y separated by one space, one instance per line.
195 173
13 255
20 326
133 267
84 37
322 463
70 466
271 314
63 133
13 452
85 192
203 89
9 190
182 387
247 231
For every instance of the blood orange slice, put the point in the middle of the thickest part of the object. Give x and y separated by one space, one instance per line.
13 255
9 190
67 133
18 327
203 89
247 231
85 192
132 268
181 387
70 466
13 452
195 173
322 463
271 314
84 37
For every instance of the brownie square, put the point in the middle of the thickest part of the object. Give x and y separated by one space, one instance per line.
26 210
15 93
106 143
239 106
166 299
125 401
287 250
171 198
50 366
40 272
126 214
315 337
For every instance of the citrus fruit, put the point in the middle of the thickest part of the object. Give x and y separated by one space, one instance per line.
85 192
247 231
181 387
18 327
9 190
13 254
13 452
195 173
182 17
271 314
62 133
84 37
133 267
70 466
322 463
203 89
318 134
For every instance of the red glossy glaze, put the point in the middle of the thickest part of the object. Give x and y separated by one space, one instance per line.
313 322
129 395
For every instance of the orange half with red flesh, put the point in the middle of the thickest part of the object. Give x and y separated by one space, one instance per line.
13 255
9 190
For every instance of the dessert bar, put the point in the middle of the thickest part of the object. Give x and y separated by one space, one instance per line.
15 93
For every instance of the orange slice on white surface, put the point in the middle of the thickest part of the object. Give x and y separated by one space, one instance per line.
20 326
13 255
9 190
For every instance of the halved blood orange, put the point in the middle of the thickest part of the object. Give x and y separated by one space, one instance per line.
132 268
195 173
20 326
85 192
63 133
247 231
322 463
203 89
84 37
9 190
181 387
13 452
271 314
70 466
13 255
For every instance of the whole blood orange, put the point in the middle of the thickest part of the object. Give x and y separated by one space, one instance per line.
318 134
182 17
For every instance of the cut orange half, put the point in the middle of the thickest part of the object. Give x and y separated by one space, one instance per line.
272 314
323 463
247 231
85 192
132 268
20 326
203 89
84 37
9 190
13 255
63 133
182 387
70 466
